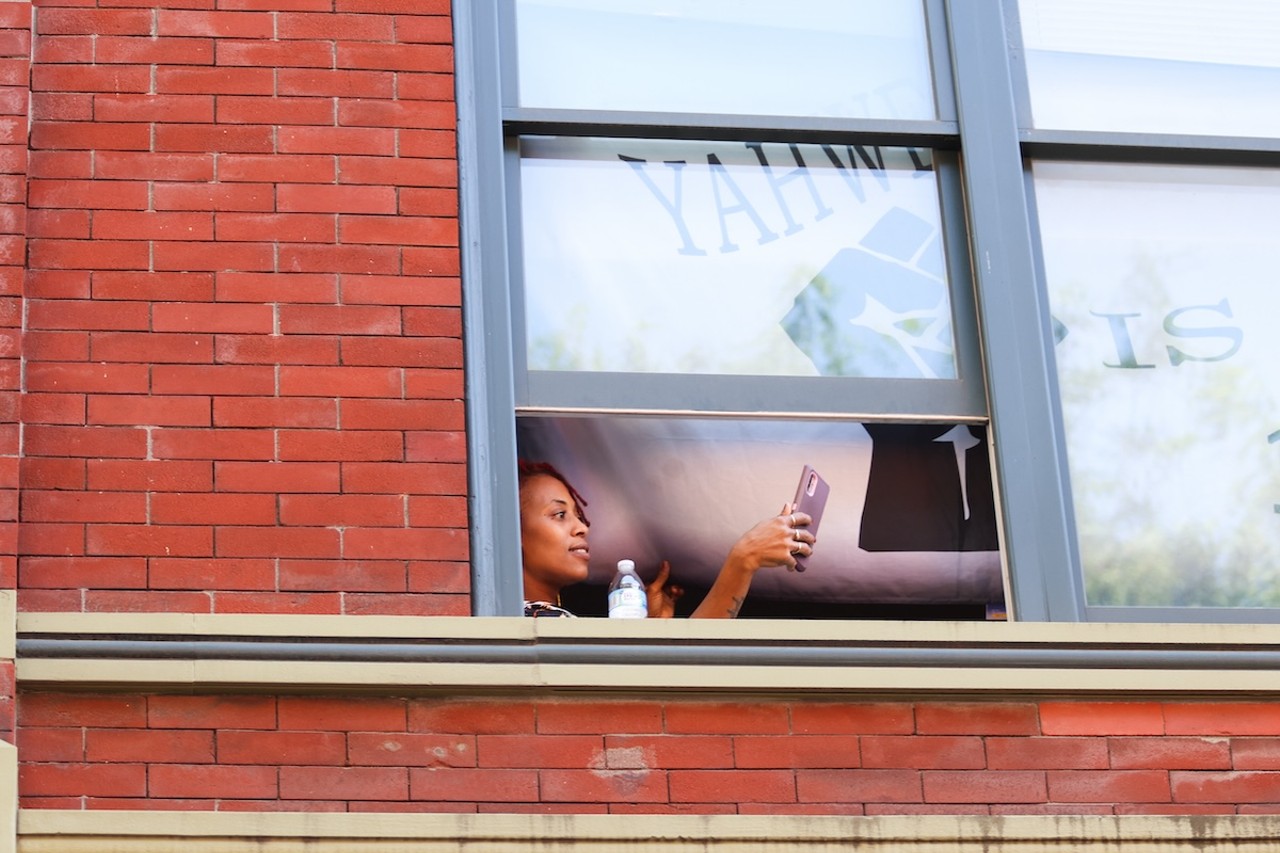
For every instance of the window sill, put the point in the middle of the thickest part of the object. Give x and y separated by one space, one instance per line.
335 653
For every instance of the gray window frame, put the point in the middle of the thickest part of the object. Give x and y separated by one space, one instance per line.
984 118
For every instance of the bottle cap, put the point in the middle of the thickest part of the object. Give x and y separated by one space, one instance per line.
626 566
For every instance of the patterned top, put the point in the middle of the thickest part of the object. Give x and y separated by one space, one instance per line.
544 608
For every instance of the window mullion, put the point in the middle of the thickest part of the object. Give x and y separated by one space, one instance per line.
1029 449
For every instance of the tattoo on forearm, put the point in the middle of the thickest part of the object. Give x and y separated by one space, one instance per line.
737 605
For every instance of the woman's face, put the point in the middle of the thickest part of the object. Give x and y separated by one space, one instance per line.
553 538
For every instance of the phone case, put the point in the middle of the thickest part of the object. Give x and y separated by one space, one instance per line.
811 498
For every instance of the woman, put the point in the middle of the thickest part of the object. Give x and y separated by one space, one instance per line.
553 540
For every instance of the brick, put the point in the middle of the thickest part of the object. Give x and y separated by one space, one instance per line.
398 230
272 110
285 227
858 786
726 718
152 225
407 478
277 477
73 135
1046 753
320 198
281 55
105 78
339 382
923 752
53 408
577 717
231 541
164 573
402 172
106 378
451 603
388 543
221 317
275 287
222 508
436 511
340 83
984 786
344 783
448 717
150 286
703 752
1169 753
333 26
258 350
976 718
75 314
282 748
1222 718
88 194
346 576
732 786
1194 786
91 572
407 352
151 475
339 446
125 409
244 444
366 141
566 751
1253 753
152 348
213 197
1101 718
405 57
341 715
796 751
216 381
150 746
98 601
39 745
338 510
609 786
213 81
62 709
474 784
276 412
1109 786
223 781
148 540
186 256
50 539
279 602
411 749
435 446
357 259
239 24
66 21
135 50
377 320
76 780
278 168
404 414
153 166
409 290
83 506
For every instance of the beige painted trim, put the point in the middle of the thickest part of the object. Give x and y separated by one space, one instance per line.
273 676
185 673
521 629
45 831
8 797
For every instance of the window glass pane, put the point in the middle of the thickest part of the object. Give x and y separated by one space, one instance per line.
1162 66
832 58
1164 294
908 530
733 258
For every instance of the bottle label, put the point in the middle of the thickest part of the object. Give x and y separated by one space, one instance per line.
628 602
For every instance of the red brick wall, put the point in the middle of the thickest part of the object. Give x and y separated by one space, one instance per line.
15 69
315 753
244 360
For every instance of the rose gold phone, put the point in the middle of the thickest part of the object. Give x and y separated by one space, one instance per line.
811 498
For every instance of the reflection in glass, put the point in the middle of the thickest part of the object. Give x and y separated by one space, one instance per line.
1164 293
1159 66
832 58
733 258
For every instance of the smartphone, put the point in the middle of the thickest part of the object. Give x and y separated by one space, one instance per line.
811 498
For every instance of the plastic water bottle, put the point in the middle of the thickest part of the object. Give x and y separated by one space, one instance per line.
627 598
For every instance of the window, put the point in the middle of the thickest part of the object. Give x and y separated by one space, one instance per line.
712 225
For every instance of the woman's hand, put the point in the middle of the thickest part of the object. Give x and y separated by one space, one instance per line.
776 541
662 595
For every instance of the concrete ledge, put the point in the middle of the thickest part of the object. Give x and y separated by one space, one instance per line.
43 831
